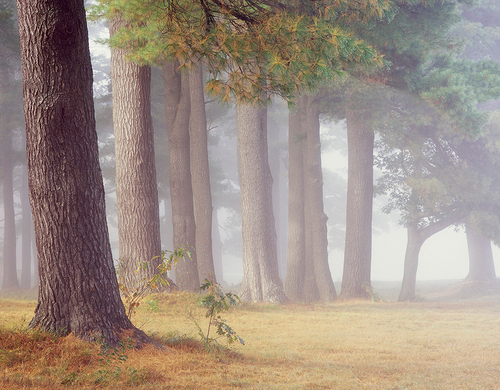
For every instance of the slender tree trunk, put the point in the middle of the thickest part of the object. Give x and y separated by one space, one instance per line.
413 247
296 251
315 216
358 245
217 248
200 176
275 166
78 291
416 238
136 187
481 264
27 223
10 279
261 280
177 110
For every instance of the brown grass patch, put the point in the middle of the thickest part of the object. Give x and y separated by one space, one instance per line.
348 345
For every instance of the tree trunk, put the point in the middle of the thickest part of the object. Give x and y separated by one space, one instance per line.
136 187
27 223
177 111
78 290
275 166
481 264
217 248
308 272
10 280
416 238
315 216
261 282
200 176
413 247
296 251
358 245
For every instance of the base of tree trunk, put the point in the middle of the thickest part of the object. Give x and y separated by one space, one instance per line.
468 289
108 338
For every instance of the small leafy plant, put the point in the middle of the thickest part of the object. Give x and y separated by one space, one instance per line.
374 297
110 360
216 302
132 296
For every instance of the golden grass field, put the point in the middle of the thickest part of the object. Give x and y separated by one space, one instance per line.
350 345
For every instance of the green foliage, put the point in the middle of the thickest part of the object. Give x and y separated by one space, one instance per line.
455 86
251 51
216 302
133 296
374 297
110 360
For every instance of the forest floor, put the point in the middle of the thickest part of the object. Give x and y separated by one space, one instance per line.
445 341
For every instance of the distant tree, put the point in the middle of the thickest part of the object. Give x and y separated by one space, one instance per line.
435 174
78 290
308 274
261 280
9 61
200 175
178 112
26 228
357 254
136 187
416 31
10 279
481 264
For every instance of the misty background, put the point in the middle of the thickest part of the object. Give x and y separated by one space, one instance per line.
444 256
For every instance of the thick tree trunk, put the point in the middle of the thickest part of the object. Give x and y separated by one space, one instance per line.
308 272
261 282
358 245
200 176
177 110
10 280
296 251
481 264
136 187
315 216
78 290
413 247
27 223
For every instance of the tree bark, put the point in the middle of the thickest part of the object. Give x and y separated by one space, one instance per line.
308 273
10 279
136 186
78 291
481 264
200 176
261 282
315 216
296 251
177 110
358 244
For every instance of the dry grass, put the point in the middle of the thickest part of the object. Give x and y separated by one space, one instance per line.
355 345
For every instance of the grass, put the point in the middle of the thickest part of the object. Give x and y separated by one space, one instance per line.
353 345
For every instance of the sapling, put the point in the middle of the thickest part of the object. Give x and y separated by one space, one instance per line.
216 302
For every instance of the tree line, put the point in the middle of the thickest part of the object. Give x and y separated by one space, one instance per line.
401 74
